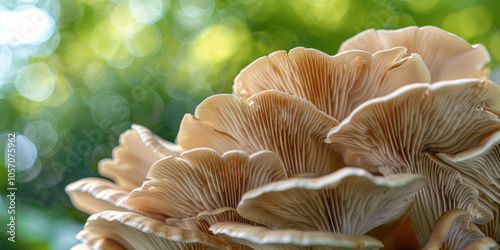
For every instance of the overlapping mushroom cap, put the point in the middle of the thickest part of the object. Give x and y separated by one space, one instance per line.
138 150
336 84
132 159
332 203
128 230
258 237
202 179
447 56
288 125
445 117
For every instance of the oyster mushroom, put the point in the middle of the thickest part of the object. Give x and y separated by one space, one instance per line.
447 56
94 195
445 191
128 230
392 131
138 150
479 166
336 84
202 179
349 201
206 218
288 125
258 237
455 231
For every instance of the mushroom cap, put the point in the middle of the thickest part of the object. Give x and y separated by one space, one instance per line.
348 201
455 231
288 125
258 237
445 190
202 179
479 166
491 229
133 231
138 150
392 131
336 84
94 195
205 219
447 56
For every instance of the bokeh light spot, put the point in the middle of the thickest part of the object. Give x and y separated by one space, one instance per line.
108 108
196 8
221 41
25 25
142 40
147 11
468 23
43 135
5 60
35 82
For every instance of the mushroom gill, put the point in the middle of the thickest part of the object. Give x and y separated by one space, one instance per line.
336 84
138 150
392 131
288 125
262 238
349 201
202 179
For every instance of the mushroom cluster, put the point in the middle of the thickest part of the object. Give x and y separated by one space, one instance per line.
393 143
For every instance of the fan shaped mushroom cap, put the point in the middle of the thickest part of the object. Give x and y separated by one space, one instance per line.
445 190
334 84
138 150
447 56
133 231
348 201
479 166
202 179
287 125
455 231
392 131
94 195
258 237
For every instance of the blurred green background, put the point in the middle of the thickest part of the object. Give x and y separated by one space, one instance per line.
80 72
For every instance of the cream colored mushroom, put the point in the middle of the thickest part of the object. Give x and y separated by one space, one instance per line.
492 228
479 166
138 150
257 237
94 195
349 201
336 84
128 230
392 131
447 56
455 231
287 125
202 179
445 190
205 219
